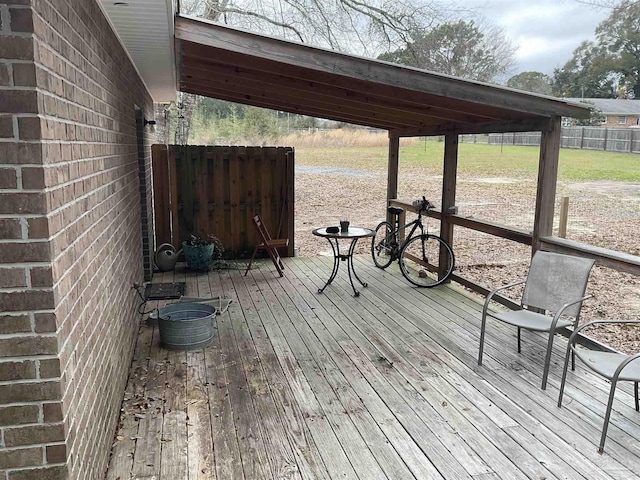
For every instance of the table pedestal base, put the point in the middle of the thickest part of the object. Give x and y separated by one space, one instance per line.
337 258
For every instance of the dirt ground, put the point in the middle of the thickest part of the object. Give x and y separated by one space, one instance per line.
605 214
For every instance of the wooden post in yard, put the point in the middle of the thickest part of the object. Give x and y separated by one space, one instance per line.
564 213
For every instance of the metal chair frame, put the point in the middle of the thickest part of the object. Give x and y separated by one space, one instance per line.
614 362
527 318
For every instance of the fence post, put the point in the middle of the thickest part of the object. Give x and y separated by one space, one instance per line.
606 135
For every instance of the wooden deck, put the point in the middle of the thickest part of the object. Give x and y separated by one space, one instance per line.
384 386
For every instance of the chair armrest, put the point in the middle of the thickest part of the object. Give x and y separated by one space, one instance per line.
626 362
556 317
493 292
600 322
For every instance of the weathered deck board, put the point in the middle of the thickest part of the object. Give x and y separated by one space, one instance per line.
298 384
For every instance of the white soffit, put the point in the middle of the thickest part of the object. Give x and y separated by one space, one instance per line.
145 28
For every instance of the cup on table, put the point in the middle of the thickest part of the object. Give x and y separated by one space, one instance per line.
344 226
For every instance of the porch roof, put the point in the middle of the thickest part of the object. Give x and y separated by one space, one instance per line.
243 67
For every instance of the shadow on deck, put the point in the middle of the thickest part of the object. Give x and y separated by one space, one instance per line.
304 385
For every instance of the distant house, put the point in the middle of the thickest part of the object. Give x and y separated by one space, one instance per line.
618 113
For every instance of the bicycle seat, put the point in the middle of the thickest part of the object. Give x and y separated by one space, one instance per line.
395 210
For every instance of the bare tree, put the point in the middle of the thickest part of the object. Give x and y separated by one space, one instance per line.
366 27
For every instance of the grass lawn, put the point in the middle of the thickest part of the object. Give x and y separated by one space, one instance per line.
481 160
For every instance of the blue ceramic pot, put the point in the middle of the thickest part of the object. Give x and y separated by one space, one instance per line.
198 257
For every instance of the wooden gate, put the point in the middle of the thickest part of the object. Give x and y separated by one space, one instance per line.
204 190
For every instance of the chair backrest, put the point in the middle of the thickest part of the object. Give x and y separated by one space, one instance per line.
555 279
262 231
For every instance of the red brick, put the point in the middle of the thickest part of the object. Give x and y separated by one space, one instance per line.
16 48
32 345
52 412
33 178
17 370
21 20
29 128
50 368
24 203
18 101
8 177
56 453
41 277
29 392
19 414
14 324
17 153
38 227
25 252
31 434
21 457
6 126
24 74
12 278
5 78
45 322
49 473
10 228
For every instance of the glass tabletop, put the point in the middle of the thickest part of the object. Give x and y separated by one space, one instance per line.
352 232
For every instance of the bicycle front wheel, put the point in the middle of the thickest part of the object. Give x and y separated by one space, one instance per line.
382 245
420 261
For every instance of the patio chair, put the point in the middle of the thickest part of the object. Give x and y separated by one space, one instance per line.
612 365
555 283
268 244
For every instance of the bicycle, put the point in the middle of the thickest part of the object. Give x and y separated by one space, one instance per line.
418 256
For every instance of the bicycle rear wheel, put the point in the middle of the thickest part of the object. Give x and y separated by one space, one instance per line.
382 245
420 261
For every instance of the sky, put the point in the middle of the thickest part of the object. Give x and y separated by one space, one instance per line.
545 31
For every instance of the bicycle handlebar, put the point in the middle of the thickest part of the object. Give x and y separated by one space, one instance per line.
422 204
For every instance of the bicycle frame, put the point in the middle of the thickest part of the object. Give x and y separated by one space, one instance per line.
417 223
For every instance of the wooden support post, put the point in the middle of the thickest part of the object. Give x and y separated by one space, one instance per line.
547 179
564 213
449 177
392 170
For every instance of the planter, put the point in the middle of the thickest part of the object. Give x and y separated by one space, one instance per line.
198 257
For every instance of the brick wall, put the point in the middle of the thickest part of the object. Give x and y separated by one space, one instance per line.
613 121
71 169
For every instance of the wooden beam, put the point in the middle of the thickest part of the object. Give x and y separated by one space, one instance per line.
374 90
623 262
196 69
497 230
449 177
392 171
547 180
339 64
282 92
531 124
275 105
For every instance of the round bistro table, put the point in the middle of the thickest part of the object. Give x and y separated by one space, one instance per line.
354 234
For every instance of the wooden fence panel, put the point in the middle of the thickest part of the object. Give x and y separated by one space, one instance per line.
161 189
218 190
588 138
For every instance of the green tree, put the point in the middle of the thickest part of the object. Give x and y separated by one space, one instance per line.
607 68
535 82
619 35
461 49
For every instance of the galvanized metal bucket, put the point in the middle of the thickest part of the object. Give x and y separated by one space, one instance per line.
186 326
